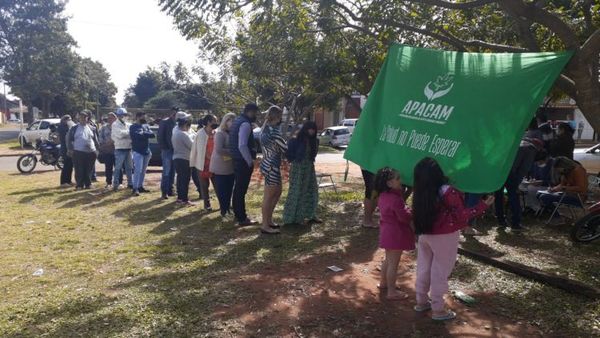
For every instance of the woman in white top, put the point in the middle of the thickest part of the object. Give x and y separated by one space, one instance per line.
201 153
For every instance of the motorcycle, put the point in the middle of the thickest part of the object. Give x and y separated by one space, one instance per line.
587 228
49 155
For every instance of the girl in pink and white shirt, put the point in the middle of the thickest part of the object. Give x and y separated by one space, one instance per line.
439 213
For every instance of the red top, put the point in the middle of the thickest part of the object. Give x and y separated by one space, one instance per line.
453 214
210 145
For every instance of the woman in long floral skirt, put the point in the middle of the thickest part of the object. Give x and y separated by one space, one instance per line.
303 195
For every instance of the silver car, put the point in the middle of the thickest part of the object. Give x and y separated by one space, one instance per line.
36 131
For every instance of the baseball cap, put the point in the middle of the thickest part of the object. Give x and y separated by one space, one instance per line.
181 115
121 112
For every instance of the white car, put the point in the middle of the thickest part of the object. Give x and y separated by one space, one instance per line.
589 158
335 136
350 124
37 130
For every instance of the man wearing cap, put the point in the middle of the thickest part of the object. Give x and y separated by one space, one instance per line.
122 139
243 152
165 132
182 140
82 144
66 172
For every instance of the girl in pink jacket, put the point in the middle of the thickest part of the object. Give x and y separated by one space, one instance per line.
395 234
439 213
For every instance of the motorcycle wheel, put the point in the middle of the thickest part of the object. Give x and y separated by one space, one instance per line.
586 229
26 163
60 163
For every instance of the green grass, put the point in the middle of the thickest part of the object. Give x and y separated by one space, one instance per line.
121 266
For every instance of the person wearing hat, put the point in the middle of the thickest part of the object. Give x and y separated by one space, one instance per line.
243 151
82 144
122 139
165 132
182 140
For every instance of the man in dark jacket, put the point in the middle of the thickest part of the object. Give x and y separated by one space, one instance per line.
165 131
66 172
243 153
521 166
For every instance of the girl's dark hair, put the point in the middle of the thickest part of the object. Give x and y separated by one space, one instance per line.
566 128
312 140
383 176
206 120
428 179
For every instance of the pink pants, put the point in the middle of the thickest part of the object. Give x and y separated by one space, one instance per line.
436 256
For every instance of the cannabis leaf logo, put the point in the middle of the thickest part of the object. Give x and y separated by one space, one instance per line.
440 87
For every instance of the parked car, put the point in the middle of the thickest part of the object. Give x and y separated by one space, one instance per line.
36 131
589 158
335 136
350 124
14 120
156 159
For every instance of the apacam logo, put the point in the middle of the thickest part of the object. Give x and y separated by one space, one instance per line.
440 87
429 111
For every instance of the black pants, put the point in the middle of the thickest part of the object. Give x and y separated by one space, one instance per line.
243 174
183 170
109 166
224 189
66 173
83 163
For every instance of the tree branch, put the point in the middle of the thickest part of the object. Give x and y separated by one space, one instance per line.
567 85
456 5
591 46
534 13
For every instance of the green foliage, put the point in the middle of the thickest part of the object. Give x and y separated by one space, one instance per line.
37 60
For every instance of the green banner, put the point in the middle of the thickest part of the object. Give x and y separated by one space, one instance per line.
467 110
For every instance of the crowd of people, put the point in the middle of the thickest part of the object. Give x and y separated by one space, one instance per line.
221 154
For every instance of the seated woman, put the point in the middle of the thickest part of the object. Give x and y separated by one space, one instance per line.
573 182
540 179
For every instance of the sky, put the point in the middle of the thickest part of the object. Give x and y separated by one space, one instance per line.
127 36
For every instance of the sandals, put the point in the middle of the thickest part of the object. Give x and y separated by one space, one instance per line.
448 316
422 308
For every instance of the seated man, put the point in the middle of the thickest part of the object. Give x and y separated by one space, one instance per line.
573 182
540 179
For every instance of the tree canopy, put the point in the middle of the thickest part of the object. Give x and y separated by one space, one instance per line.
38 62
362 29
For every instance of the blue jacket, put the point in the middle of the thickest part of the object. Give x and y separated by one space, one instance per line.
297 150
140 134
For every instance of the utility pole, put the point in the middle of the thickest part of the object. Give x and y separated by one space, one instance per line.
5 103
